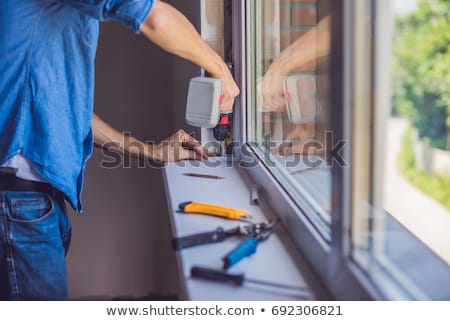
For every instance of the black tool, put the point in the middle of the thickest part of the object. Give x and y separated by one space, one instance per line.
223 126
225 122
239 279
219 235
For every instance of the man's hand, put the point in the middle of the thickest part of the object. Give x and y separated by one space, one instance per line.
271 91
229 91
177 147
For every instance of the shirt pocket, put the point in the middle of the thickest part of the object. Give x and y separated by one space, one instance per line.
29 207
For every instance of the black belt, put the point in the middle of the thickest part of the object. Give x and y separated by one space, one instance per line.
10 182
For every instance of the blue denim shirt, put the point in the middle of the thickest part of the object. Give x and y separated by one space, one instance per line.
47 51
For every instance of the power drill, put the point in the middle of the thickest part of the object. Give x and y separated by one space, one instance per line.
223 125
225 119
203 107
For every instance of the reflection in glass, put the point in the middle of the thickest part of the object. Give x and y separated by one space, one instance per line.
291 109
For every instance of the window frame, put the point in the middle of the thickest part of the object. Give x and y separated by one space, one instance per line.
328 259
333 261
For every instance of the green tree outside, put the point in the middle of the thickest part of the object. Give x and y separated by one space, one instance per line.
421 69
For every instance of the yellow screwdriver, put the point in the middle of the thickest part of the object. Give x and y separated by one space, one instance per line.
216 210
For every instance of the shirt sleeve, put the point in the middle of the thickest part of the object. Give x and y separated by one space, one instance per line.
131 13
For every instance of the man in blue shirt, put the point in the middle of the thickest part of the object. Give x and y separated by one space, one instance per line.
47 126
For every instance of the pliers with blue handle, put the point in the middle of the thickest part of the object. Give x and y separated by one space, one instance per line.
248 247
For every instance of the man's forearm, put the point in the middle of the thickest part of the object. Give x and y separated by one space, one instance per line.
172 31
107 137
303 53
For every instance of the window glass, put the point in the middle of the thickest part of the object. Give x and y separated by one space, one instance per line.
401 146
289 109
417 163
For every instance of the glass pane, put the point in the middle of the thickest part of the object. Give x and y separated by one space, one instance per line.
417 162
290 110
401 154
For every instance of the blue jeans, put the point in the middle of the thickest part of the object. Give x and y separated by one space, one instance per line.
35 233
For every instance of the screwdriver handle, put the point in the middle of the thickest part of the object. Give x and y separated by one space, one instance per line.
247 248
199 239
215 275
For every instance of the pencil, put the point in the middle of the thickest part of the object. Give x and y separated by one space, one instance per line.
203 176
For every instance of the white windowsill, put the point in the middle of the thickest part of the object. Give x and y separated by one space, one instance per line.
276 259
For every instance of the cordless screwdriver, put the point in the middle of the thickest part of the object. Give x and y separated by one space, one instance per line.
223 125
225 119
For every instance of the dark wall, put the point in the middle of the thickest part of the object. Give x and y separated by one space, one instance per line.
183 71
121 243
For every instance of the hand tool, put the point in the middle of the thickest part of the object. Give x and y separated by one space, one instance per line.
203 106
239 279
216 210
248 247
203 102
300 95
203 176
223 126
218 235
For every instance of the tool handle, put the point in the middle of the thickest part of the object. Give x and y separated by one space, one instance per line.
247 248
210 209
215 275
199 239
223 127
